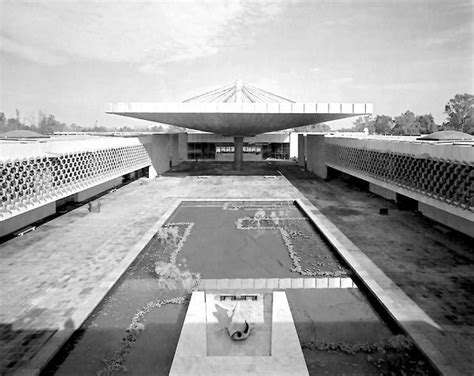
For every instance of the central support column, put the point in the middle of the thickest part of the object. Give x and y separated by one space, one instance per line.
238 152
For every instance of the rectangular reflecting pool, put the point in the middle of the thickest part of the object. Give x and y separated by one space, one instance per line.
232 247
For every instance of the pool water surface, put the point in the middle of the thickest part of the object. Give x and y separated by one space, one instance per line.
136 328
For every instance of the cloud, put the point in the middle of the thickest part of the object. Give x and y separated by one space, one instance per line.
29 52
446 37
398 86
459 32
413 86
147 34
342 80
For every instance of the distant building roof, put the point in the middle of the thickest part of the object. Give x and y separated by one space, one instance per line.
447 136
21 133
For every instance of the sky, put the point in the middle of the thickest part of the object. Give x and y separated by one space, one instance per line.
70 58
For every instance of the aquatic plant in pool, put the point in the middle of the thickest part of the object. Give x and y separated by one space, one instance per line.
170 235
294 236
393 355
172 278
169 277
117 362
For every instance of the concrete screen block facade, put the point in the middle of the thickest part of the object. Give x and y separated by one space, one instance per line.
30 180
439 176
440 172
34 175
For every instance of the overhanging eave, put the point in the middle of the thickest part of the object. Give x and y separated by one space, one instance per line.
243 119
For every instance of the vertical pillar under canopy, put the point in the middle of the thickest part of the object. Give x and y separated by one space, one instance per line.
238 152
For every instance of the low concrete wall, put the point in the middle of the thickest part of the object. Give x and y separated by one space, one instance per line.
315 155
383 192
301 150
182 146
175 149
22 220
455 222
91 192
162 149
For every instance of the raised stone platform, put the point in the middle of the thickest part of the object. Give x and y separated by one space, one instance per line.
192 358
257 313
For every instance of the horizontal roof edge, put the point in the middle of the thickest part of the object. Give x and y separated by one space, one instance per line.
264 108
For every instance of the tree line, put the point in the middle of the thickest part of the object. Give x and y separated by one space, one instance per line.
48 124
459 111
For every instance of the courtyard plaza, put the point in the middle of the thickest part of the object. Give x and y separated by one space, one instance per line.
54 277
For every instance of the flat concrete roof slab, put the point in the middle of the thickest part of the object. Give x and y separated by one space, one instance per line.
240 119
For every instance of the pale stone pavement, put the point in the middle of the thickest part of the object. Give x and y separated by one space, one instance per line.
51 274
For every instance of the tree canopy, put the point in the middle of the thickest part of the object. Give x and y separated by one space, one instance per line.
321 127
363 122
460 113
405 124
426 124
383 124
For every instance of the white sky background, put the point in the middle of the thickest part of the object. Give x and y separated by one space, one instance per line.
69 58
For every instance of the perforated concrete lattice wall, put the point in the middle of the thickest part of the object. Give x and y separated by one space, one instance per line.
448 181
26 183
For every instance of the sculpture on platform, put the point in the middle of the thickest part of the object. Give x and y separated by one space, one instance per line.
233 321
238 327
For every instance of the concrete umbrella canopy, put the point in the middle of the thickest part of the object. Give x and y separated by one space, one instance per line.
239 110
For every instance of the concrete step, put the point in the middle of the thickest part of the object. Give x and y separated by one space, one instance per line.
276 283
